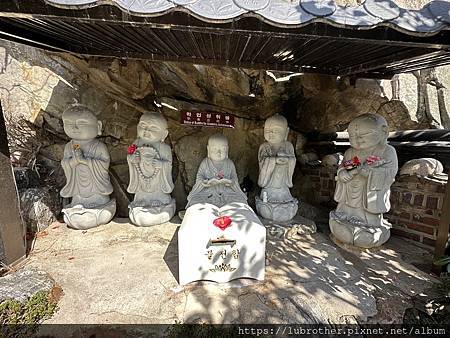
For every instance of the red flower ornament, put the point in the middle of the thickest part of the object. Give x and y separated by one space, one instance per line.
356 161
220 175
351 164
132 149
372 159
222 222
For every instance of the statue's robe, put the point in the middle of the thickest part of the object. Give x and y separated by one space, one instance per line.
368 197
219 194
276 179
157 189
87 182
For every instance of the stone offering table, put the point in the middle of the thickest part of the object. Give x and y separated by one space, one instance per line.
206 252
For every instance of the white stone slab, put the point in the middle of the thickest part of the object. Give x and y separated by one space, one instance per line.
242 257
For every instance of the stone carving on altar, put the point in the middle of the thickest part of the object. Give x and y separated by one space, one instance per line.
277 160
363 184
221 238
86 164
150 165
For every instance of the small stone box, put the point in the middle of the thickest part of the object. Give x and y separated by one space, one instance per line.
206 252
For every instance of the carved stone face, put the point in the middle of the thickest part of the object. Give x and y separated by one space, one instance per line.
152 128
275 129
364 134
81 126
217 149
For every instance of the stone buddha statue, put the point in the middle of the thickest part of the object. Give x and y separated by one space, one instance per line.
217 182
277 160
363 184
85 164
150 165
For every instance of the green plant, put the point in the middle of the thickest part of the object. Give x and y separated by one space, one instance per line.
22 319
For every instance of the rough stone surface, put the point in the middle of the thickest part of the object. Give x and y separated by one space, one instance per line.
23 284
40 207
422 167
118 273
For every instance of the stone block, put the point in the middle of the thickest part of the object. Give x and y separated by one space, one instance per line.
431 221
23 284
406 197
206 252
418 200
420 228
432 202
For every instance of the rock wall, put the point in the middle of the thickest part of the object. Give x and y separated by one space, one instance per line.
36 87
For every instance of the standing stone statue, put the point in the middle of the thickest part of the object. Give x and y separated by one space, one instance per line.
217 182
363 184
86 164
150 164
276 159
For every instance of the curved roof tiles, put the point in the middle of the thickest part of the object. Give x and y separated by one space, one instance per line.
372 13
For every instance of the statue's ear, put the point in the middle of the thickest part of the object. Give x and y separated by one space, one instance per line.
99 125
385 130
166 132
287 133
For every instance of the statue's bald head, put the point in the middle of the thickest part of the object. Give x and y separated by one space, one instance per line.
80 123
79 111
218 139
368 130
277 120
154 118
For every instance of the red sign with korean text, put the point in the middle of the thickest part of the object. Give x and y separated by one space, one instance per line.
207 119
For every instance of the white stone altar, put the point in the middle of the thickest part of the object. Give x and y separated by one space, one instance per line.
277 160
221 238
150 165
208 253
363 184
85 164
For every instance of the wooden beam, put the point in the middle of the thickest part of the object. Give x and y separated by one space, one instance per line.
12 232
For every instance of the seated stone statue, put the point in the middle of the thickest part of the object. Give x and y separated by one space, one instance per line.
86 164
221 238
276 159
217 182
363 184
150 164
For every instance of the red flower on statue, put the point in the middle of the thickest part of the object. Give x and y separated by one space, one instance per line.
372 159
222 222
132 149
356 161
351 164
220 175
